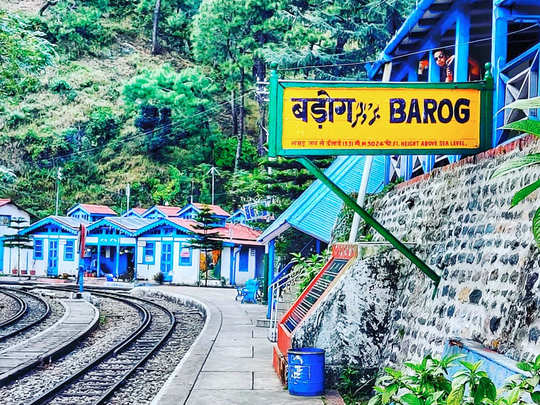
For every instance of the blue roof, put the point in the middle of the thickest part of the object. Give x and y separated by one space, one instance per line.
127 224
317 209
68 224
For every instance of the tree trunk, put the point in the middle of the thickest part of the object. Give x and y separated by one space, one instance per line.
241 123
155 19
46 6
234 119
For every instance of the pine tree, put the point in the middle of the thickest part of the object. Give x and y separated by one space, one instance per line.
207 238
17 240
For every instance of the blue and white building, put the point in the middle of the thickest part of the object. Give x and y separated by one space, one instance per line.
55 240
141 245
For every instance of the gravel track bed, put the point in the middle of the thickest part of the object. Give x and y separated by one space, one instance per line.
117 321
57 311
146 382
8 307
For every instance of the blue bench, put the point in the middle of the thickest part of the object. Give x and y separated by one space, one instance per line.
248 292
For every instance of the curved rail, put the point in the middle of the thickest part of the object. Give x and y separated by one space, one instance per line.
28 321
97 381
19 314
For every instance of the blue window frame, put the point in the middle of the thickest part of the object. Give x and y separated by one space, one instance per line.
244 260
38 249
148 253
186 256
69 251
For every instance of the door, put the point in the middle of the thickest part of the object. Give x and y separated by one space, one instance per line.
166 261
52 258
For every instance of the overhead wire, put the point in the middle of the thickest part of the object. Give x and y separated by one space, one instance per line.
406 55
173 124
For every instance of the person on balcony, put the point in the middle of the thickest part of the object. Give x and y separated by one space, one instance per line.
446 63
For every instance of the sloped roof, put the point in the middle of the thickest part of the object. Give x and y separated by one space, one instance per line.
129 223
137 211
186 223
4 201
317 209
214 209
167 210
93 209
67 223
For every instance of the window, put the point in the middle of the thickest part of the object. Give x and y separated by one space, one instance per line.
148 253
69 250
244 260
5 220
185 256
38 249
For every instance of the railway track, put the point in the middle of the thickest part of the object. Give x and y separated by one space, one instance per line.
97 381
18 314
34 310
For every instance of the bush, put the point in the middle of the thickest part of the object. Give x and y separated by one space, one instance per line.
430 384
77 29
23 55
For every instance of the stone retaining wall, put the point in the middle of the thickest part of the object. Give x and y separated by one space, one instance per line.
463 227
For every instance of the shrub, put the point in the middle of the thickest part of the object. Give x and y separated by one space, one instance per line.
429 384
77 28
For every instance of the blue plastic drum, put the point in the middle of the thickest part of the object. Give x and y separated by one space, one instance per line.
306 371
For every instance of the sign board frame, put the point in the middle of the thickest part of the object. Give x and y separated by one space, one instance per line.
277 88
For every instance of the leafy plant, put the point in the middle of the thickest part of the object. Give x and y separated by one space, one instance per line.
308 268
351 387
24 53
532 127
429 384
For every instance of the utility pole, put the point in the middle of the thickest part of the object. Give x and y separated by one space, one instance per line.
128 194
213 171
191 198
58 178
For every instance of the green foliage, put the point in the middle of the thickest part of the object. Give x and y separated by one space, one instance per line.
24 53
351 388
225 149
175 22
308 268
77 27
330 33
532 127
428 383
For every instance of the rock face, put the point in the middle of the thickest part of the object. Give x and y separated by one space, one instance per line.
382 312
349 325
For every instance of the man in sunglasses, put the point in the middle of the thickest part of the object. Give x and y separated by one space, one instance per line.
446 63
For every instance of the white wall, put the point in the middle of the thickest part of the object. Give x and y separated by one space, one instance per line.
64 266
10 260
226 264
243 276
181 274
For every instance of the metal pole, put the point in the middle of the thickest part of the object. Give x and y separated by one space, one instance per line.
361 197
308 164
58 173
128 194
213 174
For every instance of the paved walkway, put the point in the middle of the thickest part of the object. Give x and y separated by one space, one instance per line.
231 362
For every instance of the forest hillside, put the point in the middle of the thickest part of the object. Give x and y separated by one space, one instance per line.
99 94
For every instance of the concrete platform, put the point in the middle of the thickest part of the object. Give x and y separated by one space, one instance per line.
79 318
231 361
